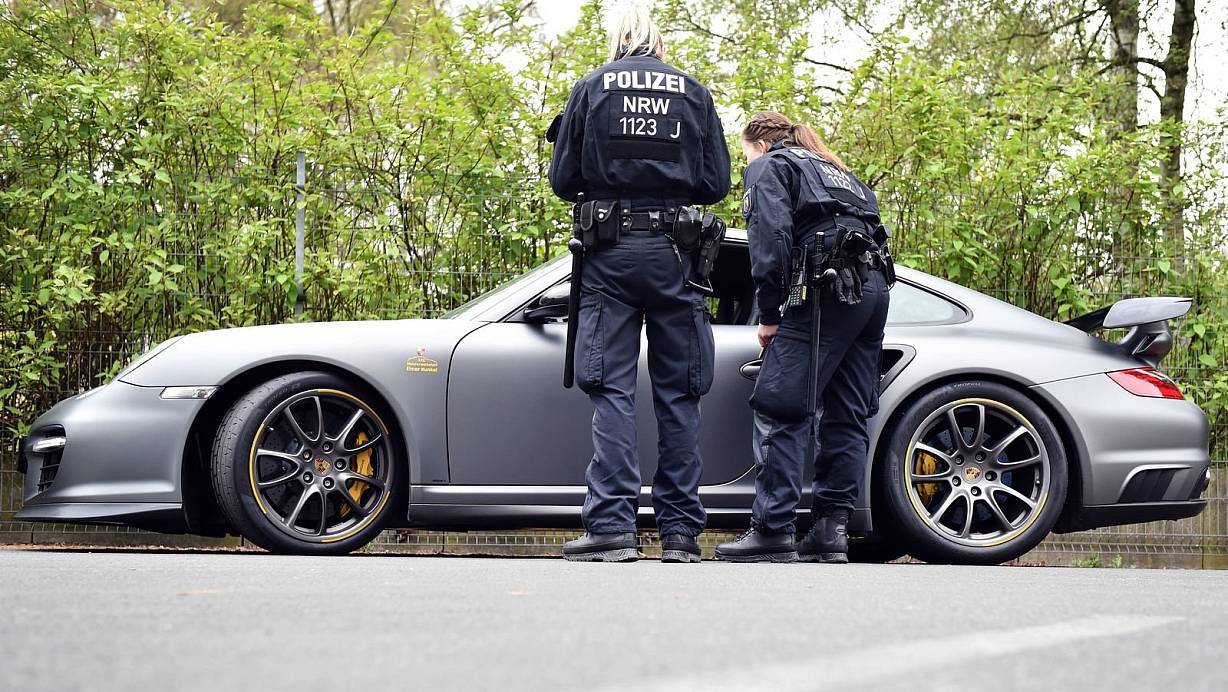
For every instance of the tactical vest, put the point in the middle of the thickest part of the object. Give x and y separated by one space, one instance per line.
829 196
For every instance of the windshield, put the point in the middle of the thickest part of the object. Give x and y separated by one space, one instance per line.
471 309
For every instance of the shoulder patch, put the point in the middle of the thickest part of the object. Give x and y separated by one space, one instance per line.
747 202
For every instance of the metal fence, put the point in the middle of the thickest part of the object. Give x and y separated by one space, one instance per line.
326 214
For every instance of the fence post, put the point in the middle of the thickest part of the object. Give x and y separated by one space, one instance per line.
300 213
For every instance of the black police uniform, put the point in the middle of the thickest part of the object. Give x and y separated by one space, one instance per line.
791 196
643 133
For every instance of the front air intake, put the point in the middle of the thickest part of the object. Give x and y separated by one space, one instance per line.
44 452
48 470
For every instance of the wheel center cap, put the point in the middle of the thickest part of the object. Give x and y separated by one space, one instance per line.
321 466
972 474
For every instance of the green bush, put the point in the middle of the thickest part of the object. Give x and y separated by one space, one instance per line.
147 168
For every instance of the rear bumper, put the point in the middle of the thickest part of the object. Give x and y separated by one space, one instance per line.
1137 456
1096 516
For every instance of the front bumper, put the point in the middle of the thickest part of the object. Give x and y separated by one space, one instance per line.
121 459
1141 459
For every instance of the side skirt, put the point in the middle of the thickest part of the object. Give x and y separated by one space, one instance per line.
520 507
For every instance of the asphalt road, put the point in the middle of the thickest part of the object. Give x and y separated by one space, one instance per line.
136 621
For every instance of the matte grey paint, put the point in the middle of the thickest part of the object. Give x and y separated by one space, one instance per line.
376 352
492 434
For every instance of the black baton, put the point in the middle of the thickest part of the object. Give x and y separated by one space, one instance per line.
573 302
812 386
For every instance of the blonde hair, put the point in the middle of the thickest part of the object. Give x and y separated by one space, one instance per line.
634 33
773 127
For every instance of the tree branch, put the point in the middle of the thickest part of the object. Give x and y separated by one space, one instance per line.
821 63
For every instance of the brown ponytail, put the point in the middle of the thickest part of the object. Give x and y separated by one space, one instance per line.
772 127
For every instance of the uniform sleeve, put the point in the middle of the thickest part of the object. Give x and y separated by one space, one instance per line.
768 208
565 175
714 171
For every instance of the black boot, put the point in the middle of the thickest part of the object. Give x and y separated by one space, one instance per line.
677 547
827 540
755 546
603 547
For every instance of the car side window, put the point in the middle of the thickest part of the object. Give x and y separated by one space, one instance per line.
734 299
912 305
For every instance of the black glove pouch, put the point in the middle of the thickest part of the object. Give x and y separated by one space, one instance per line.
598 223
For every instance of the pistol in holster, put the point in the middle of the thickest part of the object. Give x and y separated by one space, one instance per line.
698 236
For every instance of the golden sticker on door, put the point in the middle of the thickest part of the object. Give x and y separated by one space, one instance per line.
421 364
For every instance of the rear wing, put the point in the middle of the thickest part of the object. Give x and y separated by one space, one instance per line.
1148 338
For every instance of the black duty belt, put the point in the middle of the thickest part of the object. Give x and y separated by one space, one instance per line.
649 220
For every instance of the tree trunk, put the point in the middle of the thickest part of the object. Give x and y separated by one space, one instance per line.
1172 114
1123 18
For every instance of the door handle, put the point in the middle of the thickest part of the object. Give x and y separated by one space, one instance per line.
750 370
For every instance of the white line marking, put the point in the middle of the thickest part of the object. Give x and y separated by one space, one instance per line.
877 663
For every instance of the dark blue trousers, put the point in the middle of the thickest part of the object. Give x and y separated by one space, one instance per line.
850 346
636 282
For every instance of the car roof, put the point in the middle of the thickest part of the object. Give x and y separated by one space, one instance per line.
984 309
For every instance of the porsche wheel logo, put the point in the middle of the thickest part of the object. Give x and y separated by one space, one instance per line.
972 474
321 466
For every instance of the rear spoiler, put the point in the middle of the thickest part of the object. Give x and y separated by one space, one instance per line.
1147 319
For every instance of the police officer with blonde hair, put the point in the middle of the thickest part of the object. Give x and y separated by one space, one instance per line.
638 143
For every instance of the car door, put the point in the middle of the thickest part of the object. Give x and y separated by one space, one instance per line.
511 422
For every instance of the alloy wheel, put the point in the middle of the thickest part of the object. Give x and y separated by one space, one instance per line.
320 465
977 472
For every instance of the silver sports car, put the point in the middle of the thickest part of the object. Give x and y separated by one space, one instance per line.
997 426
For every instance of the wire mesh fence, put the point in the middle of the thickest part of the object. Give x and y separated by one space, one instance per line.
376 248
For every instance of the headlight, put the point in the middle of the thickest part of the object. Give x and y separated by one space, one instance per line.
147 356
187 392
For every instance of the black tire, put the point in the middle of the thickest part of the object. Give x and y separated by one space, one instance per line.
257 514
937 520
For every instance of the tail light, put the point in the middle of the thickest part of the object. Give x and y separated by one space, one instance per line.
1146 382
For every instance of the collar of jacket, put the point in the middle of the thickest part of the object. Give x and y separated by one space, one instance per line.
649 56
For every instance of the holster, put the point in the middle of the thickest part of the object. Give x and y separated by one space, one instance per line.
887 264
687 229
852 249
597 223
711 235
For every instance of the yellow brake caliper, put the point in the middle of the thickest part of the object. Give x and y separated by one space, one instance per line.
926 464
362 464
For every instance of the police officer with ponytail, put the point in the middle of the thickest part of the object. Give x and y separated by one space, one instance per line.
638 143
814 234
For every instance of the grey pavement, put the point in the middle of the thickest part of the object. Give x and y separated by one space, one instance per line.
205 621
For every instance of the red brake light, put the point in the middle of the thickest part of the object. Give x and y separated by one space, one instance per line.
1146 382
